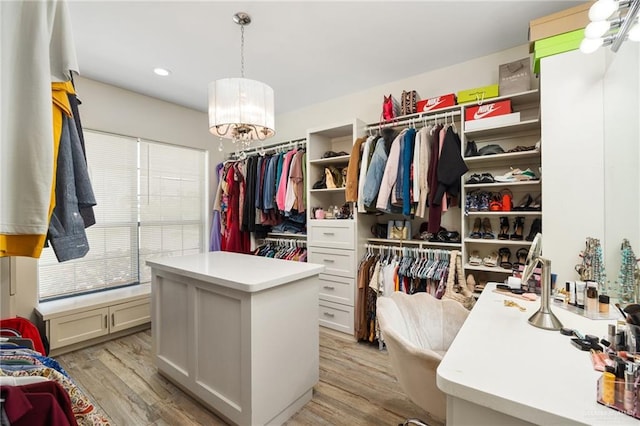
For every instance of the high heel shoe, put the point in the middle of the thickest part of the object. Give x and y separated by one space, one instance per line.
521 255
475 231
504 228
505 258
536 227
487 233
518 229
524 204
536 204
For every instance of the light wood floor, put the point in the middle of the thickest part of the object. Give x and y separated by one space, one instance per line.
357 386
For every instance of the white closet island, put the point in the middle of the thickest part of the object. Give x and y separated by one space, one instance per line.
239 332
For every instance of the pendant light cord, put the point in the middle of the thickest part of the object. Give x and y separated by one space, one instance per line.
242 50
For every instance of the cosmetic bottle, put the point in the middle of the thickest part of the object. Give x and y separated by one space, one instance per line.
611 335
572 293
629 392
620 370
603 304
591 302
608 386
580 293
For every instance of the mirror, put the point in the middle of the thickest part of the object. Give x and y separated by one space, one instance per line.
535 251
621 112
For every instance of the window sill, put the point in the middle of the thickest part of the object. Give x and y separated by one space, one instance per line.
71 305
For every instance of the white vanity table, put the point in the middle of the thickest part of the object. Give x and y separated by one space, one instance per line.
500 370
239 332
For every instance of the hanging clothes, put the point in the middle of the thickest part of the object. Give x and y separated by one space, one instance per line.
36 49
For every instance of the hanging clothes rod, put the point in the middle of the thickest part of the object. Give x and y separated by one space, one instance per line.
414 119
405 250
261 150
286 242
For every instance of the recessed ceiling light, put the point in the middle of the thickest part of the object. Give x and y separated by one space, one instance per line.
161 72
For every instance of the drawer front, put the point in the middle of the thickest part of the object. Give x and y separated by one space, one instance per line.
336 262
332 234
336 316
336 289
79 327
130 314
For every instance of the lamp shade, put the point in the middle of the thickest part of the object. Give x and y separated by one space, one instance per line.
240 108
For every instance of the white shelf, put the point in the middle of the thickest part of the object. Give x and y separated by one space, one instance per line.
327 190
505 129
421 243
498 269
502 184
511 213
496 241
286 235
343 159
488 160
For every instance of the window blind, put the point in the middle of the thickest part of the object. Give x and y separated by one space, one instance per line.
151 202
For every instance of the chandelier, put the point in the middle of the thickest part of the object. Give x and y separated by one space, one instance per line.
239 108
603 31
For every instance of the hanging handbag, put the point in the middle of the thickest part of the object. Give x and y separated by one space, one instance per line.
456 288
408 102
399 229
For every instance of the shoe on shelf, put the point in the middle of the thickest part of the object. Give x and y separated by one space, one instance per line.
471 204
491 260
483 201
536 227
516 175
524 204
487 232
475 231
536 204
521 255
473 179
506 199
504 228
486 178
474 258
471 282
505 257
472 149
495 205
518 229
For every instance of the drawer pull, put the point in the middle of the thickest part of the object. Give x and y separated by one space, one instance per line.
328 260
113 320
328 314
328 233
106 324
329 287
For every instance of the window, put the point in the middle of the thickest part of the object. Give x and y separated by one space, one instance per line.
151 202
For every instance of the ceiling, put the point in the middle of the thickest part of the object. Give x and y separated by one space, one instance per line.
307 51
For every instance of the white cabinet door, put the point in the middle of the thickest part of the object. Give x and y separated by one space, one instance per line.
79 327
130 314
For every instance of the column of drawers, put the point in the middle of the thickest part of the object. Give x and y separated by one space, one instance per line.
332 243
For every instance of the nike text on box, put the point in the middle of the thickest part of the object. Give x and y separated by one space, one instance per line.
436 103
478 112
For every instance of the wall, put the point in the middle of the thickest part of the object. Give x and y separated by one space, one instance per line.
367 105
111 109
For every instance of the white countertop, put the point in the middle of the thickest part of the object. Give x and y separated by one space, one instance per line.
243 272
500 361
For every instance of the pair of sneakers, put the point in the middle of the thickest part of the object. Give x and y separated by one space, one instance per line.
516 175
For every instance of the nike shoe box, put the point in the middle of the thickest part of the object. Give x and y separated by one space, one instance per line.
438 102
492 122
478 112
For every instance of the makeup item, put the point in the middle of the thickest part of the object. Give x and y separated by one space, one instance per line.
580 290
611 335
620 369
572 293
621 311
591 302
566 331
633 313
608 387
629 392
603 304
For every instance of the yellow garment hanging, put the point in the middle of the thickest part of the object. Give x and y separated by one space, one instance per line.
31 245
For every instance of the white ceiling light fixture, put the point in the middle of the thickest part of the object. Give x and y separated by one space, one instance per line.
603 32
239 108
162 72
